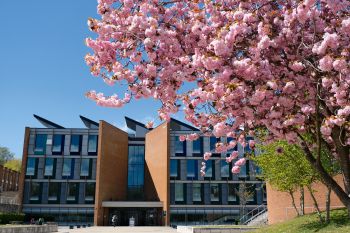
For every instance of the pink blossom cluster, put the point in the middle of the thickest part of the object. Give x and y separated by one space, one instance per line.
230 66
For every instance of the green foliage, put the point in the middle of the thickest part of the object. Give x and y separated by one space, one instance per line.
5 155
14 164
6 218
309 223
284 166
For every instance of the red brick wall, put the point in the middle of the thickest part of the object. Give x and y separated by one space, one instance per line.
280 206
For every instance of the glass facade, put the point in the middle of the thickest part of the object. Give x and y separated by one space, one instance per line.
31 166
67 167
180 147
179 192
174 168
92 144
40 144
35 192
75 144
85 167
90 193
49 167
72 192
225 169
136 172
197 192
58 144
192 169
209 169
232 190
54 192
197 147
214 193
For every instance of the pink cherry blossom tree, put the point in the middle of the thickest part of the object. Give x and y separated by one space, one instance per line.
281 65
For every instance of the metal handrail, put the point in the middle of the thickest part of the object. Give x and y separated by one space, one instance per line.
246 219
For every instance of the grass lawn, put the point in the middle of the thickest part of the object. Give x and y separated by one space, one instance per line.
310 223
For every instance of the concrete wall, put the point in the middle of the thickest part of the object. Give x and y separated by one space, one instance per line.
29 229
111 174
280 206
158 163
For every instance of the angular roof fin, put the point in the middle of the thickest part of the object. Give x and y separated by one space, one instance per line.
131 124
47 123
89 123
180 123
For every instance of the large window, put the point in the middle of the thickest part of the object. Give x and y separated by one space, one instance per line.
85 167
92 144
214 193
180 147
58 144
89 193
31 167
40 144
197 193
174 168
54 192
35 192
75 144
192 169
232 190
179 192
225 169
197 147
72 192
209 169
67 167
49 167
136 172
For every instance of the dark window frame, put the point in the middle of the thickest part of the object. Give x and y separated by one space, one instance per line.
62 144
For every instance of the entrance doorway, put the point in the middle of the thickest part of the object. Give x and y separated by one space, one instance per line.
141 216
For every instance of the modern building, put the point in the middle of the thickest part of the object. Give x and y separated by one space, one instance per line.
86 175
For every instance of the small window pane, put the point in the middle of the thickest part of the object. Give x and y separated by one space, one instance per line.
225 169
58 141
54 190
75 143
40 144
197 192
92 145
191 168
179 146
179 192
209 168
85 167
197 145
35 191
89 192
73 189
173 167
30 171
49 167
232 192
214 192
67 165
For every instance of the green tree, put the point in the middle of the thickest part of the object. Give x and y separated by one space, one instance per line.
14 164
5 155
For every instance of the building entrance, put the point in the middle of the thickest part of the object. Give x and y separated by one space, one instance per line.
140 216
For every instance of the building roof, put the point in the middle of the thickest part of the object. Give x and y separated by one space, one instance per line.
89 123
183 124
131 123
47 123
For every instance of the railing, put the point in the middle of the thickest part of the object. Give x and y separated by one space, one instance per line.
253 214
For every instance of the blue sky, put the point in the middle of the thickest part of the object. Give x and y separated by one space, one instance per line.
42 70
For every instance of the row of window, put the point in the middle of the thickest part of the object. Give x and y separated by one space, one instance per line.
197 146
58 144
51 167
236 193
192 169
54 192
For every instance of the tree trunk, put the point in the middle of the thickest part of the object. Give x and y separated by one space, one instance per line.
293 202
315 203
328 204
302 200
327 178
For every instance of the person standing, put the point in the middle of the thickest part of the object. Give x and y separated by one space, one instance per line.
114 220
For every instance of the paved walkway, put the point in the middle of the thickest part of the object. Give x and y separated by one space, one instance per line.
117 230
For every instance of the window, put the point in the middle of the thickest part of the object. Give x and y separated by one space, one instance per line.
92 144
225 169
49 167
31 167
214 193
85 167
54 192
192 168
35 192
209 169
197 192
72 192
212 142
179 192
180 147
67 167
89 193
244 170
232 193
229 139
75 144
251 193
197 147
174 168
40 144
58 144
136 172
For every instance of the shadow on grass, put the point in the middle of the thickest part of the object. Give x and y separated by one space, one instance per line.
339 218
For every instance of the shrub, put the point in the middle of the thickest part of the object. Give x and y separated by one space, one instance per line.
6 218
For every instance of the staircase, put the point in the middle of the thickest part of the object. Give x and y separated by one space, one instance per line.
255 217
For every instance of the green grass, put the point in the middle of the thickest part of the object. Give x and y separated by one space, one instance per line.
310 223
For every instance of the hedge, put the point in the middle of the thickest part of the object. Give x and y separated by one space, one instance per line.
6 218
